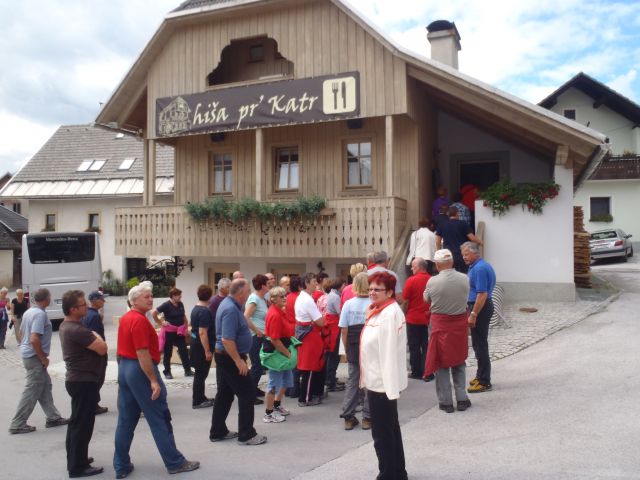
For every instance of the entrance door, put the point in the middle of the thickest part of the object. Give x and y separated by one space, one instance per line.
481 169
280 270
217 271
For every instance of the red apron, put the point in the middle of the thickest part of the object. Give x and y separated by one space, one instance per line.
448 342
330 331
311 352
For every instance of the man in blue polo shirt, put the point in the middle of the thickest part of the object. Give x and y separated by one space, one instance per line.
482 280
233 342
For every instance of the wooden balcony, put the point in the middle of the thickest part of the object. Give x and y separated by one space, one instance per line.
347 228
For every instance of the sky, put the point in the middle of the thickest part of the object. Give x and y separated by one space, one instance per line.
62 58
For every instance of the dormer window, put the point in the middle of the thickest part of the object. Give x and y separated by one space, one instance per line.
93 165
127 163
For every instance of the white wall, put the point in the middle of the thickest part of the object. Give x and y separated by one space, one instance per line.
602 119
456 136
527 249
6 268
72 215
624 201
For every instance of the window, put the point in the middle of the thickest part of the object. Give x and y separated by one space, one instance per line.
256 53
93 165
50 222
94 221
359 164
61 249
221 173
600 208
569 113
287 172
127 163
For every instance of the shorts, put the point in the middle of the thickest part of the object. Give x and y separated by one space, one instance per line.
278 380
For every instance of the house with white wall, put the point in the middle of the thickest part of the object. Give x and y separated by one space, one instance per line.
275 99
12 227
75 182
611 193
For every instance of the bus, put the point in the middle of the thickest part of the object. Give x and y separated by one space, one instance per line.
60 261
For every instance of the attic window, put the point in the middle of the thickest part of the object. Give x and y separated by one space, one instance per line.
569 113
127 163
256 53
93 165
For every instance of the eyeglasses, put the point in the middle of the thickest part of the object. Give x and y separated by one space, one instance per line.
377 290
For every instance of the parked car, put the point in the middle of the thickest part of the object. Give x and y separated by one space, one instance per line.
610 243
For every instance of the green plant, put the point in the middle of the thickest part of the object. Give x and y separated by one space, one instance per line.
234 212
132 282
112 285
602 217
533 196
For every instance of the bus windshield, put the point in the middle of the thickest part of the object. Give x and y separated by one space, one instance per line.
61 248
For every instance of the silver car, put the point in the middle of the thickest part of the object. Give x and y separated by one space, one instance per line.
610 243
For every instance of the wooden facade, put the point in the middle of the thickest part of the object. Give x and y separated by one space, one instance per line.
208 50
316 36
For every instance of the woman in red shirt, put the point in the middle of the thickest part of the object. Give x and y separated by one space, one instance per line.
278 332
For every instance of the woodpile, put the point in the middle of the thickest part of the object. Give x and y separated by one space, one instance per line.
581 251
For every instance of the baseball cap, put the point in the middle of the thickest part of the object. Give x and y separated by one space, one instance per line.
442 255
96 295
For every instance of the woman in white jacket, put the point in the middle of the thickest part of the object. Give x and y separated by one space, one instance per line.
383 361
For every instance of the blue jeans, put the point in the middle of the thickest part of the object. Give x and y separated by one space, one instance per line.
134 395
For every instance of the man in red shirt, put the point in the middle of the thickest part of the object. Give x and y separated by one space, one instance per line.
417 317
140 388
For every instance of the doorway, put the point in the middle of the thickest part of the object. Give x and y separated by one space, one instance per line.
481 169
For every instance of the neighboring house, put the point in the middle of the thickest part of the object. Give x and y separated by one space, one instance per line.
12 227
610 195
10 204
79 177
273 99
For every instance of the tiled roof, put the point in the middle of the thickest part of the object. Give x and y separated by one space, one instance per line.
618 168
7 242
63 153
13 221
190 4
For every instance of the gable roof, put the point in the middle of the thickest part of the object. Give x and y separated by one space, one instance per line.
71 145
12 221
600 93
618 168
506 111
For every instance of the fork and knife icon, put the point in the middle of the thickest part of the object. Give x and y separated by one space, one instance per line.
339 86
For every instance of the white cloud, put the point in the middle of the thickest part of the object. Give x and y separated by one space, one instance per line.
21 139
624 83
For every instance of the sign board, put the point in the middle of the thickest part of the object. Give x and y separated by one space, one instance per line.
308 100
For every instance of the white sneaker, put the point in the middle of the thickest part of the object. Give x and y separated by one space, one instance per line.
273 418
281 410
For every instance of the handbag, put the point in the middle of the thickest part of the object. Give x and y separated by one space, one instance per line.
276 361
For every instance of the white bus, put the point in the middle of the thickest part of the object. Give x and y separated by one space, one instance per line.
59 262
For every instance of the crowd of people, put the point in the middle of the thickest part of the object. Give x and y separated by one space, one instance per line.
291 331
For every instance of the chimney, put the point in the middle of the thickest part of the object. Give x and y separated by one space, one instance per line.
445 42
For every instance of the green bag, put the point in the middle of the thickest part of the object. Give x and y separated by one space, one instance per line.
277 362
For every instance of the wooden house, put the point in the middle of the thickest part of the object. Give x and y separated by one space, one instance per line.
275 99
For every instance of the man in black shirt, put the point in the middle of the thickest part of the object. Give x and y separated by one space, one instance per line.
453 233
203 339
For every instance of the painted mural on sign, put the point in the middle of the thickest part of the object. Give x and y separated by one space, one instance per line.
318 99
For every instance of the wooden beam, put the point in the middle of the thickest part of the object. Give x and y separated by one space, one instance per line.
562 155
149 173
259 164
388 154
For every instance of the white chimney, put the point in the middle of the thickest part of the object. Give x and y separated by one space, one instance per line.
445 42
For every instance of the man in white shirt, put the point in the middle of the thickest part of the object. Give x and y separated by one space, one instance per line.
423 245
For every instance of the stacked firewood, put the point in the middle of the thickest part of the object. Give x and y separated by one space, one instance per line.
581 251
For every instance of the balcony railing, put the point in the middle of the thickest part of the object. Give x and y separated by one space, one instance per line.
347 228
